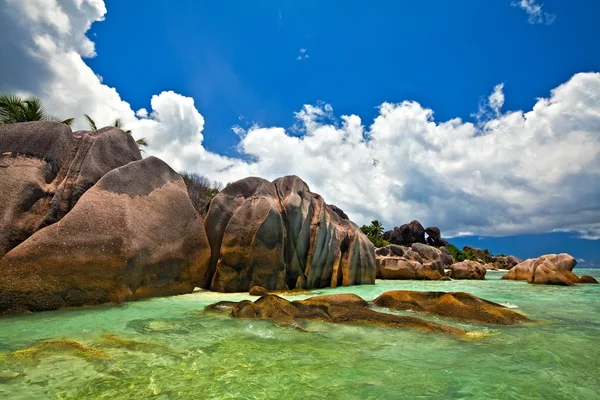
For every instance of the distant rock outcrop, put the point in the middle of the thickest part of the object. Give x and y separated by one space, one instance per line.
406 234
420 261
549 269
467 270
281 236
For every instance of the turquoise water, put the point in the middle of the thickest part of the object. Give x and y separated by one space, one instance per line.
168 348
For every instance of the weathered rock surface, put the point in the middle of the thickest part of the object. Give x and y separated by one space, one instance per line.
45 168
467 270
420 261
447 259
458 305
549 269
406 234
338 309
134 234
338 211
281 236
434 237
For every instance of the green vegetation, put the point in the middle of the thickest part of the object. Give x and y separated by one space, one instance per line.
375 233
117 124
469 253
15 109
201 190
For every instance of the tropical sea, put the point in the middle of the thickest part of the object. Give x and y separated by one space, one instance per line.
169 348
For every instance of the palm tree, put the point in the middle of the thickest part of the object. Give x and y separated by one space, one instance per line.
117 124
15 109
377 227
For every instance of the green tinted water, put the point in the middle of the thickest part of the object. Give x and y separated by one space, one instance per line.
167 348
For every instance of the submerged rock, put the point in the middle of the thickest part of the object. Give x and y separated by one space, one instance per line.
134 234
280 235
587 279
458 305
549 269
338 309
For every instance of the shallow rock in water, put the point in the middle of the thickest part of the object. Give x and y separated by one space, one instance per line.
467 270
549 269
339 309
134 234
258 291
458 305
280 235
587 279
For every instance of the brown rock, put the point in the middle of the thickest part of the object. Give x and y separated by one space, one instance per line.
587 279
346 309
402 268
134 234
281 236
45 170
467 270
549 269
458 305
258 291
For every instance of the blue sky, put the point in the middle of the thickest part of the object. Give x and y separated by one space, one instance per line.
239 58
480 117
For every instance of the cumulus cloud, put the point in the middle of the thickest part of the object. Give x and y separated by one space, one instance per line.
513 172
534 12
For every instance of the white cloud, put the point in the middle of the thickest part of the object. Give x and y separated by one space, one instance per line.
534 12
303 55
516 172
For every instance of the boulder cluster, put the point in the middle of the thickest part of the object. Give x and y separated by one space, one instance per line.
413 232
352 309
85 220
549 269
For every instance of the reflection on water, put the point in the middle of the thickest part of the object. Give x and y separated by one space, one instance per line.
168 348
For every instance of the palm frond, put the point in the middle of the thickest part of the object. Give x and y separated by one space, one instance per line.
68 121
90 122
141 142
34 110
12 109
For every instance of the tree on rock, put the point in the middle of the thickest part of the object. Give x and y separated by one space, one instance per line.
14 109
375 233
117 123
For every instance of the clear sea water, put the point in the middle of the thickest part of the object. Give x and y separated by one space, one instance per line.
168 348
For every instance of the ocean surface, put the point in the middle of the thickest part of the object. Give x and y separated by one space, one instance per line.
168 348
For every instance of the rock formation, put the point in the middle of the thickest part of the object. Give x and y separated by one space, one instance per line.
134 234
419 261
352 309
462 306
550 269
45 168
467 270
281 236
434 237
406 234
338 309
